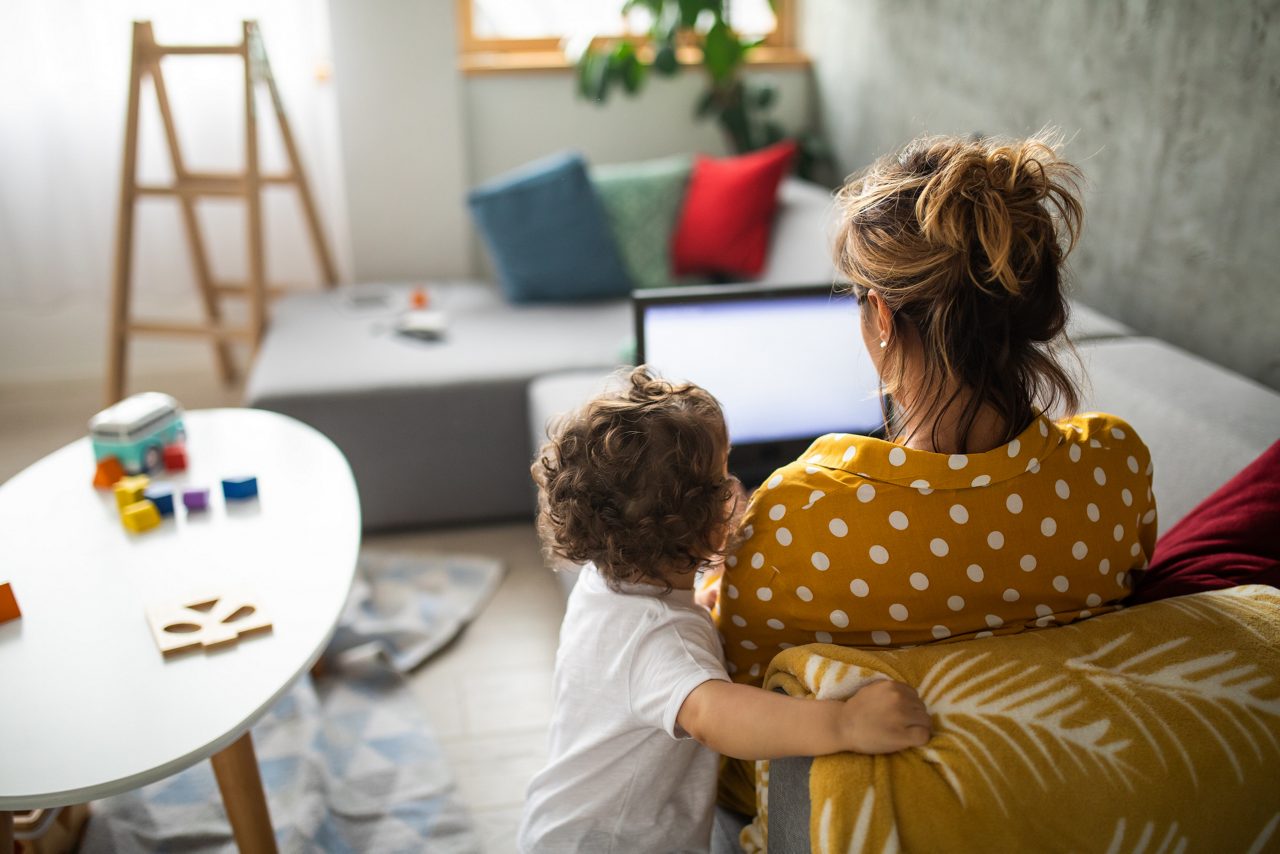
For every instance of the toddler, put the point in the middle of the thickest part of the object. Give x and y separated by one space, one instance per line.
636 487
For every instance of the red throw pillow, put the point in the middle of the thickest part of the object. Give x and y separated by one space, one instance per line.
728 212
1229 539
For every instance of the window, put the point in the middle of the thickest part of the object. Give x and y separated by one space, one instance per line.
503 35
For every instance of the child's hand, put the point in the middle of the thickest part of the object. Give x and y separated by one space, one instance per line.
709 588
885 717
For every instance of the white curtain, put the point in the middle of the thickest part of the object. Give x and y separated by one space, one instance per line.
64 71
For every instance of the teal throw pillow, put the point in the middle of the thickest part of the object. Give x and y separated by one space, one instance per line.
548 235
643 202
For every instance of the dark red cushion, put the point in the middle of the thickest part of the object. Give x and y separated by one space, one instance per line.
1231 538
728 212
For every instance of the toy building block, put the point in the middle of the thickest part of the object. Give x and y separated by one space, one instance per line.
419 298
140 516
175 457
195 498
162 497
209 621
129 490
109 471
239 488
9 609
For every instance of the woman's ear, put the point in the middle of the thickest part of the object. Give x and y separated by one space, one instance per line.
881 318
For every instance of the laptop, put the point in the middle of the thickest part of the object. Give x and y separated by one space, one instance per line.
787 364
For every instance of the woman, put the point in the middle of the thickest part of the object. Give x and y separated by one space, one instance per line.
982 515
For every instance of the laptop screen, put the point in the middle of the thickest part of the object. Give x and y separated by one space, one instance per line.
785 363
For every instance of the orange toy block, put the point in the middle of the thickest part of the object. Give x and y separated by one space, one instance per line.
129 490
9 609
419 298
140 516
109 471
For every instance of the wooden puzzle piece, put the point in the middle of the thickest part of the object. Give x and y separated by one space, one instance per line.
9 609
129 490
108 472
208 621
140 516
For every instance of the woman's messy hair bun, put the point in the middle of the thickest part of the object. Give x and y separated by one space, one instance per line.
965 241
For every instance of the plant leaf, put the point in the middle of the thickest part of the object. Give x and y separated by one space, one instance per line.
721 52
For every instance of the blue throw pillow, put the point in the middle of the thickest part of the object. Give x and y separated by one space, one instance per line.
548 233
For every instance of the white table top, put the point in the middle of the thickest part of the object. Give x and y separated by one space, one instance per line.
88 705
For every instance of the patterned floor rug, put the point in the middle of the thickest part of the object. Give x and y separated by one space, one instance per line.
348 761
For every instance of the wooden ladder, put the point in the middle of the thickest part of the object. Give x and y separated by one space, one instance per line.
187 187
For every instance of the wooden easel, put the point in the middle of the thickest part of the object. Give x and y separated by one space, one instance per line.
188 186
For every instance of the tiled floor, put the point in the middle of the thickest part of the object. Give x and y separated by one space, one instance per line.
488 695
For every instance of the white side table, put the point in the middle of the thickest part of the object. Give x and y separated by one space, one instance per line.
91 708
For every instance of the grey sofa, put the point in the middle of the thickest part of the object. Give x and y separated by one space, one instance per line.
437 432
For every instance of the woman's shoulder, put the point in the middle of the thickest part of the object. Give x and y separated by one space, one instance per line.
1104 434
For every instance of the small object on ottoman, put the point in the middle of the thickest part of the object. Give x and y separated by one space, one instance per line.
239 488
419 298
548 233
129 490
162 497
140 516
108 472
195 498
175 457
9 609
728 212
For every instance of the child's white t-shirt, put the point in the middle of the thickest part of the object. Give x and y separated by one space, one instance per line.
622 776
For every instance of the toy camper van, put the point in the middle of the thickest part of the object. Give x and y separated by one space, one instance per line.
137 430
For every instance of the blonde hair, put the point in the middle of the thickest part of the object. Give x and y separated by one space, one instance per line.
965 240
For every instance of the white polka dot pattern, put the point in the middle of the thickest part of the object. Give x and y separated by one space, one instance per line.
899 533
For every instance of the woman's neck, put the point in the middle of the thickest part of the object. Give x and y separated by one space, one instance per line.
946 429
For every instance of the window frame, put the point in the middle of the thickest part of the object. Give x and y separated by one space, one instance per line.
478 55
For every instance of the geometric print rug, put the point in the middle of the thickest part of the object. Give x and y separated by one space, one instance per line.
348 761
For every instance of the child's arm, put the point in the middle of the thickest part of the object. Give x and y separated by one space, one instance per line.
746 722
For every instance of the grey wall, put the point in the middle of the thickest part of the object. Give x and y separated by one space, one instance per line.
1172 108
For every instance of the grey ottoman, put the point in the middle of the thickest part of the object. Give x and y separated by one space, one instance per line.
436 432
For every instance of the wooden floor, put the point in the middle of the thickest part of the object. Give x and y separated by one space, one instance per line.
488 695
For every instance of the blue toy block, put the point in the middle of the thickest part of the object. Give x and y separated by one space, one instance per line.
162 497
239 488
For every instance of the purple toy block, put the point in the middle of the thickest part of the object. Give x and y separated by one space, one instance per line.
195 498
162 497
239 488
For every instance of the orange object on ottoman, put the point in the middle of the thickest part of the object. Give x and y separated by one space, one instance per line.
108 472
728 212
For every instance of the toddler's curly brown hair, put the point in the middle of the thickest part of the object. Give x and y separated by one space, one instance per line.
635 482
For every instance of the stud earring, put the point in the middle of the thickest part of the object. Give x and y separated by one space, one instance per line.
883 343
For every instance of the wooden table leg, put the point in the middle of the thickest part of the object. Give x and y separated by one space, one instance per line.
236 769
6 832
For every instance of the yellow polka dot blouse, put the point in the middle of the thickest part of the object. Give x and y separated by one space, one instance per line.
862 542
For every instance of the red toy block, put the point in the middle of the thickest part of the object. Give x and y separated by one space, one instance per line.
109 471
8 604
175 457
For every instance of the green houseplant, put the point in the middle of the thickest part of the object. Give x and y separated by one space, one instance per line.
695 32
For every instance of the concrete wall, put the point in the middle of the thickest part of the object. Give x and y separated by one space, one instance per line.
1171 110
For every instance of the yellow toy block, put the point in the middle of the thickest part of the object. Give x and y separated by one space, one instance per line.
129 490
140 516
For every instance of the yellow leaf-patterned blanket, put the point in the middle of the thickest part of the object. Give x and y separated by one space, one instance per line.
1153 729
